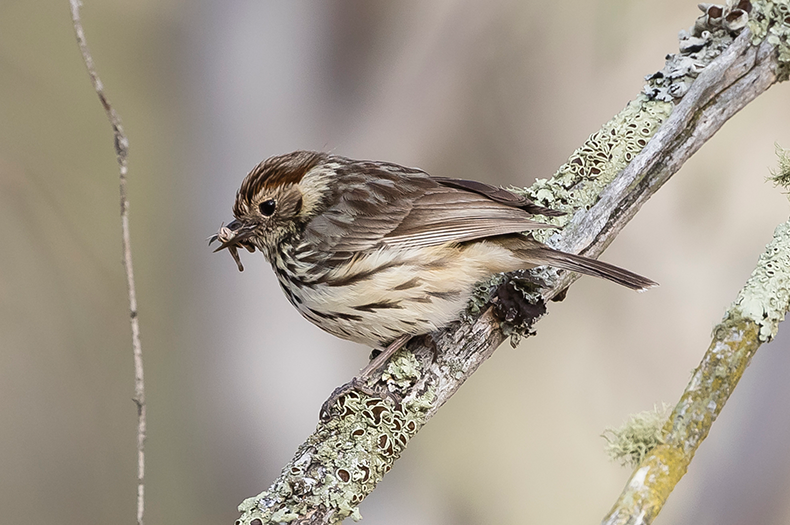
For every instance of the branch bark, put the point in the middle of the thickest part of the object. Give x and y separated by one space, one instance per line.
602 186
121 154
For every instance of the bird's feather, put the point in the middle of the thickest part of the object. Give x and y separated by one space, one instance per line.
397 207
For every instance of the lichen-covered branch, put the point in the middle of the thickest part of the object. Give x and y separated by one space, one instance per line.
121 153
751 320
721 67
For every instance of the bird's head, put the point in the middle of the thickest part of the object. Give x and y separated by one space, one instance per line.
275 200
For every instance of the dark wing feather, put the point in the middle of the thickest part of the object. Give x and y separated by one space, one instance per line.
500 195
402 207
447 214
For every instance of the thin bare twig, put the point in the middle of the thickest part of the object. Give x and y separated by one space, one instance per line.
121 152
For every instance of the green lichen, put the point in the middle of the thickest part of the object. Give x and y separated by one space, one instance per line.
402 371
781 176
420 404
348 455
283 516
765 299
578 182
771 21
632 442
481 296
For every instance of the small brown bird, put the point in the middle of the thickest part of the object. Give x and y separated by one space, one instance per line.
374 252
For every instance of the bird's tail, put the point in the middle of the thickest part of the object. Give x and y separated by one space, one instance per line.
588 266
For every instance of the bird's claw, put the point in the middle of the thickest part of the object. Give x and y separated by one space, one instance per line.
335 405
338 394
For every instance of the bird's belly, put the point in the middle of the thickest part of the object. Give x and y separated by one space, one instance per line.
386 294
375 312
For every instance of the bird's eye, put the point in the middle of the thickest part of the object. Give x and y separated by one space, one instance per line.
267 207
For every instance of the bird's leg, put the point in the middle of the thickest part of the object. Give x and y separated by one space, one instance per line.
383 357
360 382
434 347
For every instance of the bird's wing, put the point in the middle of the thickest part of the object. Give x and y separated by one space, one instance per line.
400 207
500 195
449 214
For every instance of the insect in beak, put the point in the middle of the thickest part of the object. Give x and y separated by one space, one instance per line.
231 237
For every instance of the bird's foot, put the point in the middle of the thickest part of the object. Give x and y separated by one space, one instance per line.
336 404
360 382
338 395
378 362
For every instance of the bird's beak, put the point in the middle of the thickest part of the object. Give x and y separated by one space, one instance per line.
232 236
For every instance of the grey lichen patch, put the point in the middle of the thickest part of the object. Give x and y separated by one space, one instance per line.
781 175
771 21
403 370
482 296
765 299
578 182
699 46
630 443
346 457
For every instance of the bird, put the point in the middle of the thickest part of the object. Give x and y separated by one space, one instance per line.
377 253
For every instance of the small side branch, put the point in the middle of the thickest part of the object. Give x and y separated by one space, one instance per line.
121 152
752 319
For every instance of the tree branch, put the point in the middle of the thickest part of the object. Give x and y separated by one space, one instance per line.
121 153
602 186
751 320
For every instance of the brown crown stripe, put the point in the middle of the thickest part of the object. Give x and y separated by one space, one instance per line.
277 171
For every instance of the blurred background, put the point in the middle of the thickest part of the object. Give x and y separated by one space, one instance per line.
501 91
